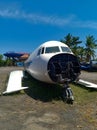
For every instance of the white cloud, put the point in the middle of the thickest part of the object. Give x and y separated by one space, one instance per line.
9 14
35 18
51 20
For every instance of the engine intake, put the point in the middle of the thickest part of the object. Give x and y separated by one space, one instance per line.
63 68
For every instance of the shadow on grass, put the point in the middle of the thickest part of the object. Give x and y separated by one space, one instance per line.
42 91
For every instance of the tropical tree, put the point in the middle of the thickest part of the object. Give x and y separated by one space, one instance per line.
91 45
67 39
72 42
1 60
5 61
81 53
8 62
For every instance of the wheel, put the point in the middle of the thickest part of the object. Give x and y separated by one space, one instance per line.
67 95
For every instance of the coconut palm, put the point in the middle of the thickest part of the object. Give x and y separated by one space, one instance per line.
67 39
72 42
81 53
91 45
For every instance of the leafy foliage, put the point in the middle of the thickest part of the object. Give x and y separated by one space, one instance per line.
5 62
84 53
72 42
90 47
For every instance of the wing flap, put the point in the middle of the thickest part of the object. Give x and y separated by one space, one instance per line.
87 84
15 82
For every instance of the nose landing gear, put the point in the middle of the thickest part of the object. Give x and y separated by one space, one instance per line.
67 94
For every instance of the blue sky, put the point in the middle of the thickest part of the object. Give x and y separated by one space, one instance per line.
25 24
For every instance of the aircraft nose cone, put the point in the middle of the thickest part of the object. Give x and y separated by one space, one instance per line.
63 68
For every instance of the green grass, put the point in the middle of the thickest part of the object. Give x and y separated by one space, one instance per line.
83 95
48 92
51 92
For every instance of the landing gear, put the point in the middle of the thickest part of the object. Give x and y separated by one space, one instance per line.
67 94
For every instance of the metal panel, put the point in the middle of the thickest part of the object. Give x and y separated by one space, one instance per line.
15 82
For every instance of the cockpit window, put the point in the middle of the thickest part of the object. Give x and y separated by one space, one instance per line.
39 52
52 49
42 51
65 49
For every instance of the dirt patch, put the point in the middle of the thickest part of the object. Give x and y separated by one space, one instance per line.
89 76
23 112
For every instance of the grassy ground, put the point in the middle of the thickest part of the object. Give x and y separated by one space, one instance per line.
48 92
41 107
85 98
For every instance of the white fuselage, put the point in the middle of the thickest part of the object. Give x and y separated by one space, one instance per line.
37 63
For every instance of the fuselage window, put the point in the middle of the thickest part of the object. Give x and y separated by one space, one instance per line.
52 49
65 49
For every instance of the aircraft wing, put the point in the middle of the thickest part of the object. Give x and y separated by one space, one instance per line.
87 84
15 82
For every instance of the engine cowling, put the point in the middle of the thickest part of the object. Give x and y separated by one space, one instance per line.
63 68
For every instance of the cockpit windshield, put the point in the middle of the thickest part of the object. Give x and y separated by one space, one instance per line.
53 49
65 49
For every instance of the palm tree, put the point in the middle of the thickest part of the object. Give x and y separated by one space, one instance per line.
72 42
67 39
81 53
90 47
